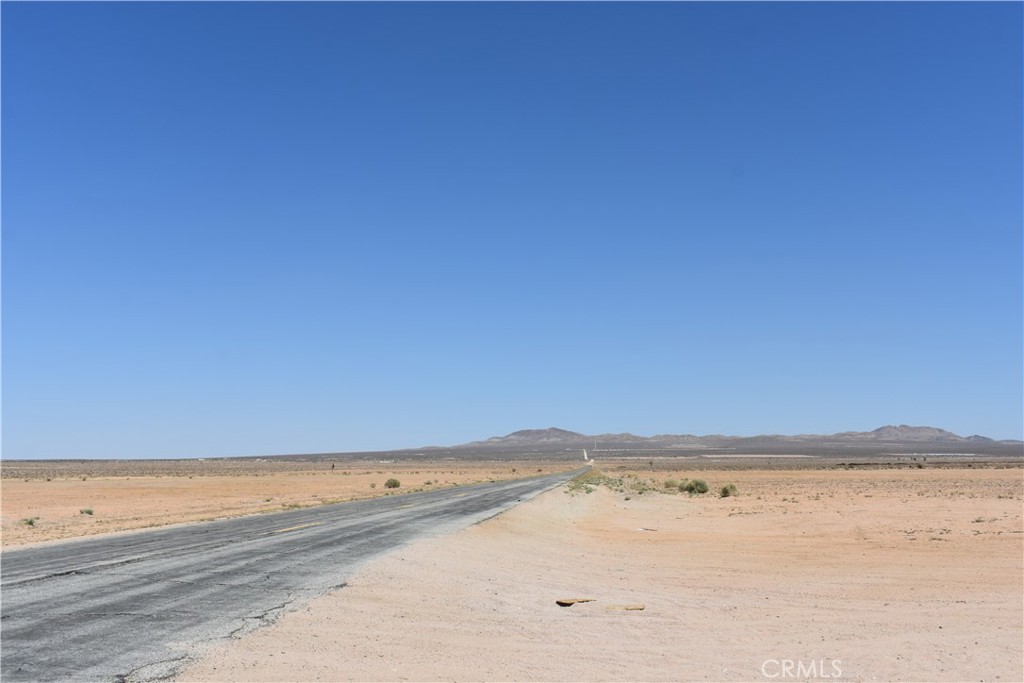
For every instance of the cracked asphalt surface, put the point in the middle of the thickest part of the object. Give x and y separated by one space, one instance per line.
135 607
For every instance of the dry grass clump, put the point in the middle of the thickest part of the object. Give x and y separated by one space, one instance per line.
694 486
631 485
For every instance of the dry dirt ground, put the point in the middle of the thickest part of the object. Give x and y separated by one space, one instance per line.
46 501
894 575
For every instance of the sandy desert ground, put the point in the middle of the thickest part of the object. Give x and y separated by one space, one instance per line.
47 501
895 575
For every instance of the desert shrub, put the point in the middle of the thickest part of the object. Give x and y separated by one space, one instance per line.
85 511
671 484
695 486
587 480
727 490
392 483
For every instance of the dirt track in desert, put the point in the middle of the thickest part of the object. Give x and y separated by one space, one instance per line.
907 575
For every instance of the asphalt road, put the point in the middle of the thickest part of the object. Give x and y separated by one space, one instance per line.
133 607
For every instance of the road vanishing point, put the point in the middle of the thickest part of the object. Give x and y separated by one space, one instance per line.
137 606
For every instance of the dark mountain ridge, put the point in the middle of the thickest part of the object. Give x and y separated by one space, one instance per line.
901 433
888 438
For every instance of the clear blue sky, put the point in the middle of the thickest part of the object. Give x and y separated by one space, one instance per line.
234 229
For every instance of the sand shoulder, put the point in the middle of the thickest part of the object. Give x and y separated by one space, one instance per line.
874 575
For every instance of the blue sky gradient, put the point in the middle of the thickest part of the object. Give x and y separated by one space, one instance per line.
257 228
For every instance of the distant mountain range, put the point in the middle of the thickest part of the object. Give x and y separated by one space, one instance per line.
885 442
900 437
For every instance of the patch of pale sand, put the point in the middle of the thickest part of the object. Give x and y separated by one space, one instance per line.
904 576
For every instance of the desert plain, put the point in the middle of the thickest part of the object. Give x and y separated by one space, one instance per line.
53 500
899 572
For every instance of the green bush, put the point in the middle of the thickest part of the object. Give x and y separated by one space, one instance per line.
85 511
727 490
671 484
392 483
